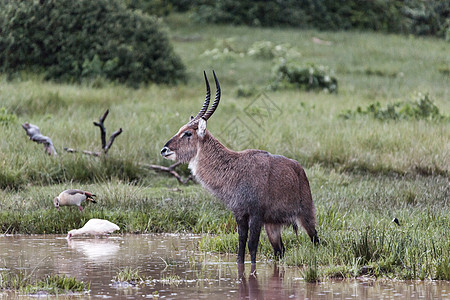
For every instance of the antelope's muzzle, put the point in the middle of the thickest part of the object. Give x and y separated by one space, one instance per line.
166 152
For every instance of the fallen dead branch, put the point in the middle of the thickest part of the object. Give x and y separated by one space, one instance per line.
170 170
70 150
105 146
35 135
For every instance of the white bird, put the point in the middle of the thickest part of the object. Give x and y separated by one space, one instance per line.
73 197
96 227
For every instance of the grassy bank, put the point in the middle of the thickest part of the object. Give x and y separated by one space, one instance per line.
354 213
363 171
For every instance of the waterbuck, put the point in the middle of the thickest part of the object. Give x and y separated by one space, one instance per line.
258 187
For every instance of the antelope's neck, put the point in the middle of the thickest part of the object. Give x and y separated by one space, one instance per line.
212 161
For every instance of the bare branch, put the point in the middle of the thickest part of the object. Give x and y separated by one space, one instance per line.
111 140
105 147
170 170
102 128
70 150
35 135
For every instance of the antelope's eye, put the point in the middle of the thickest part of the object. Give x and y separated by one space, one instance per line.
187 133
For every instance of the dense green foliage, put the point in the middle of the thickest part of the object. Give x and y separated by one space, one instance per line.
81 40
407 16
421 108
308 78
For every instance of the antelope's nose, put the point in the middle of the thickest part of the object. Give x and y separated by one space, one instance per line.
164 151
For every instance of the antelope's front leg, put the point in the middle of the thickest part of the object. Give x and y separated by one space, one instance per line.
255 224
242 223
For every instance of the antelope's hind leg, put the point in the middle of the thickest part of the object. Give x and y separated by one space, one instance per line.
274 235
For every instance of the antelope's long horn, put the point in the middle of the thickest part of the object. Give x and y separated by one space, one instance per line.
206 103
216 100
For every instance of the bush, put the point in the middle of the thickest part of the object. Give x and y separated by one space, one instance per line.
304 77
6 118
421 108
76 40
269 50
401 16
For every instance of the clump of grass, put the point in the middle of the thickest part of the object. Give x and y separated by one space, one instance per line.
445 70
225 49
7 118
58 284
246 91
15 281
130 275
311 273
171 279
421 108
224 243
312 77
23 281
382 73
270 50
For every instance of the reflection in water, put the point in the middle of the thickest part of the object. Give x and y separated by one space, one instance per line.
249 288
97 250
179 271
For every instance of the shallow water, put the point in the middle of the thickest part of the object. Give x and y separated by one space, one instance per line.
179 271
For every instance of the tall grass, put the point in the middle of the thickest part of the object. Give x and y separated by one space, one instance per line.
134 208
308 127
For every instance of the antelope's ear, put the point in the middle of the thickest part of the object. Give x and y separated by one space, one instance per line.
201 127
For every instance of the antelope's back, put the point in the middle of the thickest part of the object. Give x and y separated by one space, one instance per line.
287 190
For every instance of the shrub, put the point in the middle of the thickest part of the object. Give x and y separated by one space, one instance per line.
304 77
422 107
268 50
6 118
76 40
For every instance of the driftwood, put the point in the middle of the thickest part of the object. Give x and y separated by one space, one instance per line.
105 146
170 170
35 135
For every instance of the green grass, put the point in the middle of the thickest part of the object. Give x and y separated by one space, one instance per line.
355 225
130 275
134 208
24 282
363 171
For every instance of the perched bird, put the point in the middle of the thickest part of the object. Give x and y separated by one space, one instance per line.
96 227
73 197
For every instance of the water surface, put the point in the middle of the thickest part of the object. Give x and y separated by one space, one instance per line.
177 270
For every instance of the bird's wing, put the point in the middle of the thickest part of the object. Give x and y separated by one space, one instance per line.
72 197
74 192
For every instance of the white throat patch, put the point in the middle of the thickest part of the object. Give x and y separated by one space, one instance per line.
193 164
